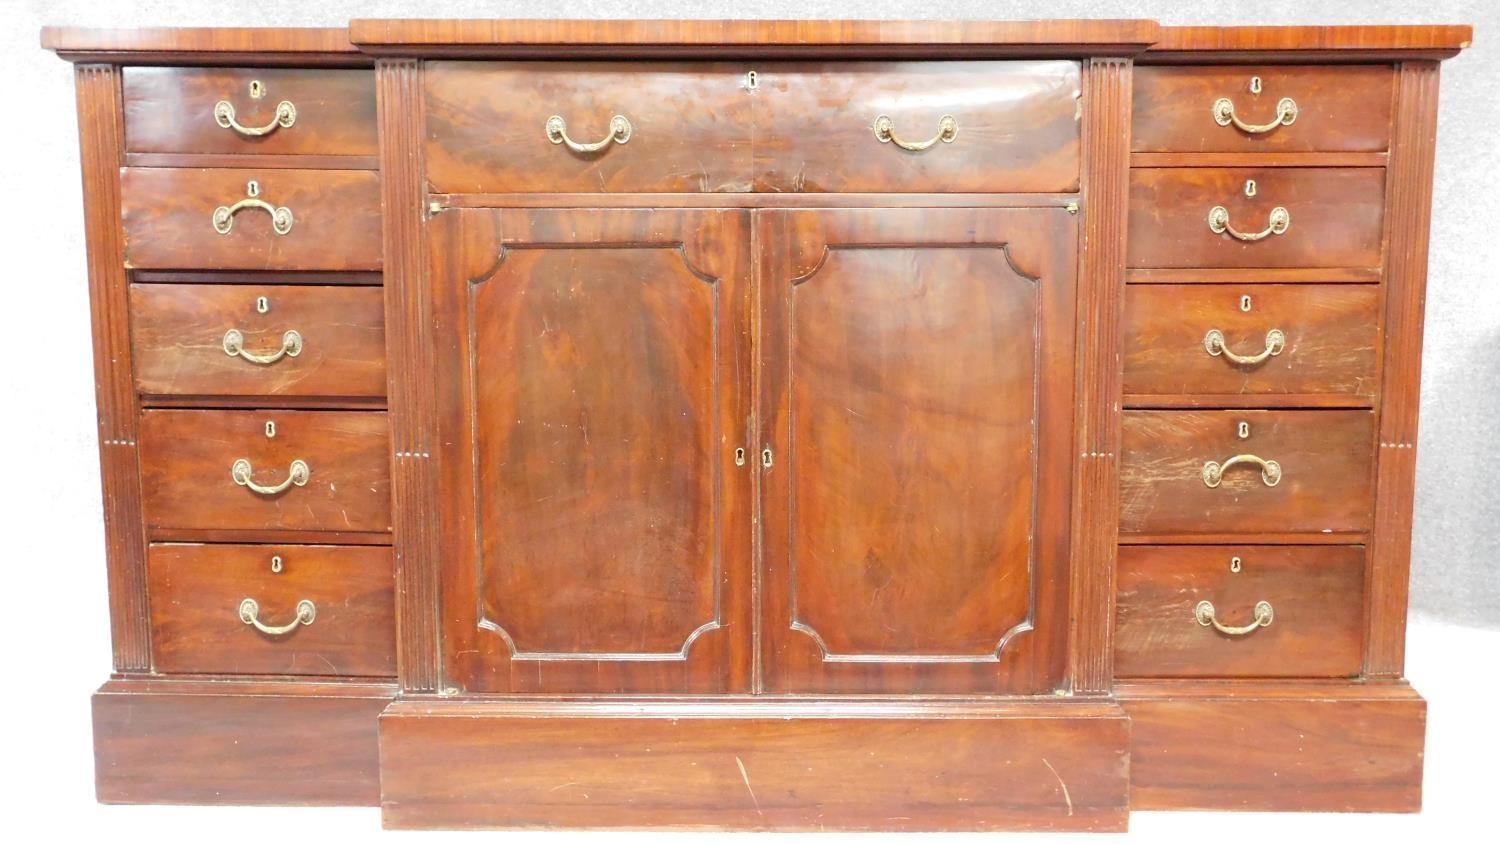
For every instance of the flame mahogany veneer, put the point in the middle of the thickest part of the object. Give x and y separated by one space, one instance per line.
869 425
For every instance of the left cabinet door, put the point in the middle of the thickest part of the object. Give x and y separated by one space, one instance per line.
593 398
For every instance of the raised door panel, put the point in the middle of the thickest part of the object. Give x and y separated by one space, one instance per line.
594 378
917 405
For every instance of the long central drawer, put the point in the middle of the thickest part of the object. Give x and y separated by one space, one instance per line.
679 127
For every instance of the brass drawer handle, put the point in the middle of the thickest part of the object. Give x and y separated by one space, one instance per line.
298 475
885 132
281 216
250 614
619 132
286 115
1286 115
1213 343
234 346
1277 223
1213 473
1264 615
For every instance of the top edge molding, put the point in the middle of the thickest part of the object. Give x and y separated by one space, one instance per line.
365 39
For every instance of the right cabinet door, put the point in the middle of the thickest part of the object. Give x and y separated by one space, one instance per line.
916 401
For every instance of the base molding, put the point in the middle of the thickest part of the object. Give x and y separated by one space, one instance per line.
238 742
1309 747
764 763
755 764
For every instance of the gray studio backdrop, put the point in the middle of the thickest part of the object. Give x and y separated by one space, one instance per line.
1456 566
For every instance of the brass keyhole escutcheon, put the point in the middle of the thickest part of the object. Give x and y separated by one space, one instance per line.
276 565
270 429
1245 303
262 305
1243 429
1255 86
1234 564
257 89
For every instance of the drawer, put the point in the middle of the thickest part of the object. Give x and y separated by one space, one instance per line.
1168 484
1337 109
1334 217
1271 340
1313 600
190 482
201 622
177 110
488 127
257 340
330 221
1015 127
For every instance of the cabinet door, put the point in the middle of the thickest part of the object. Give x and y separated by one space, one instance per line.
593 386
917 381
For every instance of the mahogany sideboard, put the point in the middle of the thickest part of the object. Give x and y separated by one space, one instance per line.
759 424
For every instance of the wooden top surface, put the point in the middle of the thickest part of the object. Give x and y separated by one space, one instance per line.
768 37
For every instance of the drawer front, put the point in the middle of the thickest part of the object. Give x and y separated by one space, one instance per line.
201 623
488 127
297 112
1334 217
1313 600
257 340
331 219
1168 485
1343 109
188 460
1251 340
1014 127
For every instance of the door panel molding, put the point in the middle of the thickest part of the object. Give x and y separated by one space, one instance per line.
796 247
603 356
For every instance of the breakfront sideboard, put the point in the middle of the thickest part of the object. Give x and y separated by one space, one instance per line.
759 424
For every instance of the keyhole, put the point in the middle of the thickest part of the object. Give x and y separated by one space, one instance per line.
257 89
1250 188
270 429
765 458
1255 85
739 457
752 81
262 305
1234 564
1245 303
1244 430
252 189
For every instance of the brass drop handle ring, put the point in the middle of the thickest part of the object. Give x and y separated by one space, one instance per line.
307 611
1264 615
1213 343
1213 473
234 346
1286 115
1277 223
281 216
619 133
297 476
885 132
286 115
